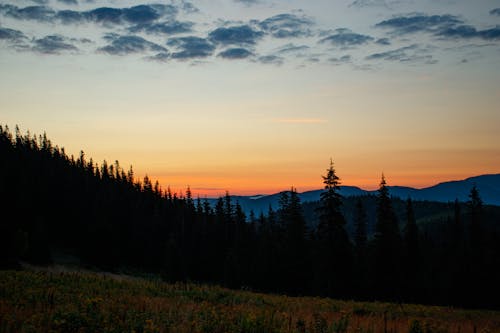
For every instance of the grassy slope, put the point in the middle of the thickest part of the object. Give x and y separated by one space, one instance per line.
92 302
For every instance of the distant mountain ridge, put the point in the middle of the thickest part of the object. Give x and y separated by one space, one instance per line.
488 186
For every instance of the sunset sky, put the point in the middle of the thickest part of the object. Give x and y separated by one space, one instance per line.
255 96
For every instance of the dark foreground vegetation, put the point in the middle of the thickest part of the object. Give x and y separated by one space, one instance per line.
75 302
55 203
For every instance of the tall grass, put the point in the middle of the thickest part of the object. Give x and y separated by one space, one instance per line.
91 302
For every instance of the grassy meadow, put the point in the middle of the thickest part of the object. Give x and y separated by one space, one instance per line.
42 301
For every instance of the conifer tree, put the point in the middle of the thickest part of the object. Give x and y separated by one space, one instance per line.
387 246
333 257
476 255
474 207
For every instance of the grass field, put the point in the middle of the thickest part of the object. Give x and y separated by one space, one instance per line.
41 301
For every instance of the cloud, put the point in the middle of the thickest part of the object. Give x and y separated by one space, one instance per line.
235 35
191 47
444 26
271 60
106 15
412 53
290 48
495 11
69 16
11 35
467 31
167 28
69 2
383 41
235 53
419 23
123 45
375 3
342 60
287 26
248 2
160 57
189 8
141 14
346 38
36 13
53 44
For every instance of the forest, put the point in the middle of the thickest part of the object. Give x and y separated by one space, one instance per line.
364 248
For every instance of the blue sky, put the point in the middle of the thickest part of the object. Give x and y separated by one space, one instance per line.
191 91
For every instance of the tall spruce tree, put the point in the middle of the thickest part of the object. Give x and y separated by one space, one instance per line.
333 253
475 258
474 211
294 246
387 246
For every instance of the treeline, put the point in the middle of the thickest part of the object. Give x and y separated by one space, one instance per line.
52 202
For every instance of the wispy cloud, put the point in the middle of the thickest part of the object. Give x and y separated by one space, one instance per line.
412 53
495 11
235 35
419 22
287 26
235 53
191 47
53 44
346 38
123 45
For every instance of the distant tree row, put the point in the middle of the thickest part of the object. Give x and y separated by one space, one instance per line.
53 204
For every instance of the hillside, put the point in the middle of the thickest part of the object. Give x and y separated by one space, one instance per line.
109 219
93 302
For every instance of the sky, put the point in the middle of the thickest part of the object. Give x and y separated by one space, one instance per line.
256 96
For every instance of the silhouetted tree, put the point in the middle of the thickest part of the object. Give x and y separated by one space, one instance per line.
333 255
387 246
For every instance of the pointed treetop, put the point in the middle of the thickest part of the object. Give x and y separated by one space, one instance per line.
331 180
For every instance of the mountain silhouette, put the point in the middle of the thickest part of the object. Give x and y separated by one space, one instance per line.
488 186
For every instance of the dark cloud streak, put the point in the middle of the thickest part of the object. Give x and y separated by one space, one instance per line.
287 26
36 13
235 35
167 28
271 60
53 44
346 38
69 2
235 53
12 35
412 53
123 45
191 47
141 14
419 23
495 11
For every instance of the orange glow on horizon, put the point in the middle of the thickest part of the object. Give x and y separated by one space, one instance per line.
213 188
